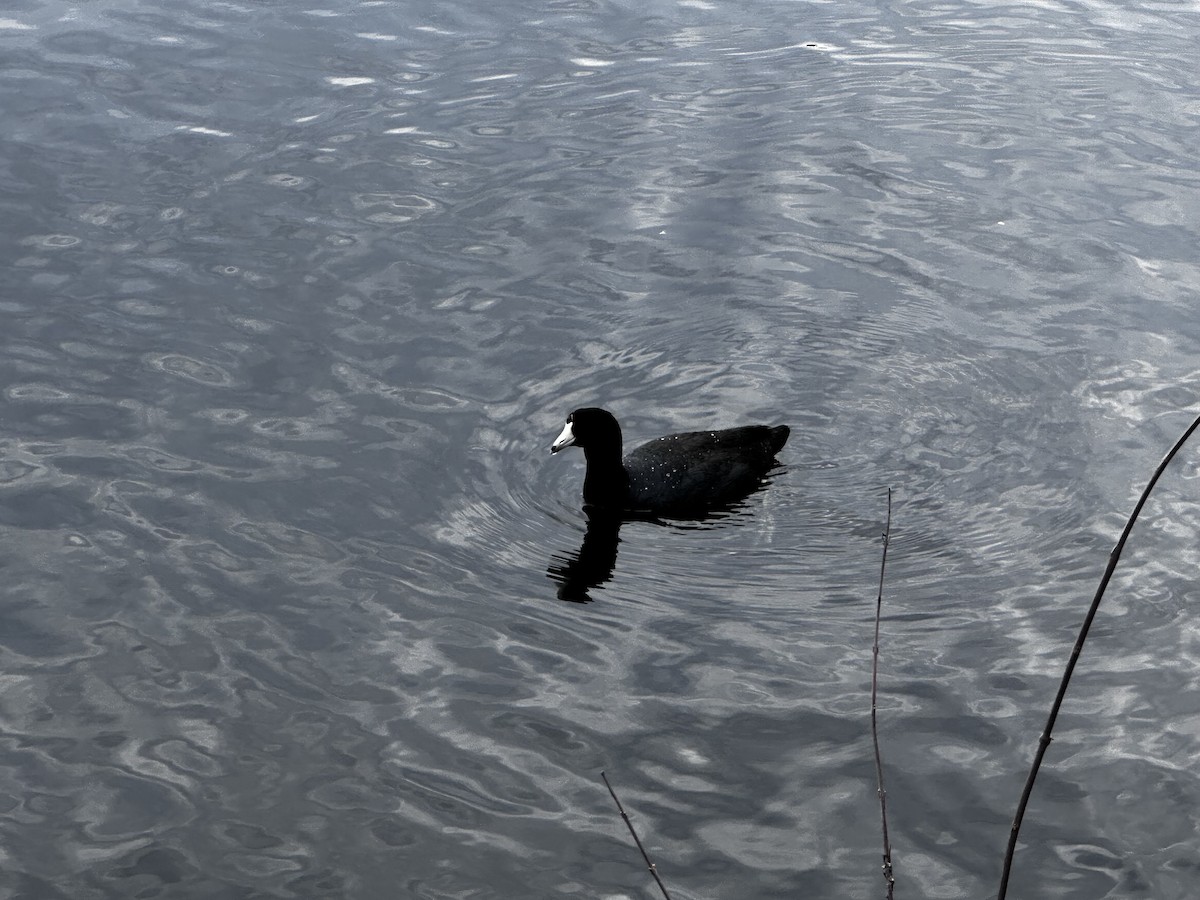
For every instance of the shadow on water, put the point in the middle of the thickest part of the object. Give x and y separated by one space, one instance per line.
593 564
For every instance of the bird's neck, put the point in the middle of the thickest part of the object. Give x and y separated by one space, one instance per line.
606 482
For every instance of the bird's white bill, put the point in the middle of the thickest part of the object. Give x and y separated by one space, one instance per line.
566 439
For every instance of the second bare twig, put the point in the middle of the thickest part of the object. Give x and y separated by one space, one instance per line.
888 877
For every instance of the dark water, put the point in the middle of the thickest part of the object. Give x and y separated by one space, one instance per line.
294 298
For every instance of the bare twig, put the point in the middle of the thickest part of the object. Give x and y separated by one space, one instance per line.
1113 557
653 871
888 877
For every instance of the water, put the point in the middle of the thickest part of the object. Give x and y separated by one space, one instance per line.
295 299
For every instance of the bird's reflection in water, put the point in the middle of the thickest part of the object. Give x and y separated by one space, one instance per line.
594 562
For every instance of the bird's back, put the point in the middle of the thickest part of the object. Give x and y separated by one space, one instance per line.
699 469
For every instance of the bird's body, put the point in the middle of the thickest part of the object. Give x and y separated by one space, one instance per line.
677 474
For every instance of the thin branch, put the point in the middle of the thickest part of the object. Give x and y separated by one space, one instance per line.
653 871
1113 557
887 844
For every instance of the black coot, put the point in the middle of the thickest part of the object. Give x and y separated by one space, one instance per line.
677 474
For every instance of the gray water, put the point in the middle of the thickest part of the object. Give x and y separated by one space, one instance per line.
294 298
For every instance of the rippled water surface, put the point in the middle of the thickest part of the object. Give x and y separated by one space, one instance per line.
294 297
